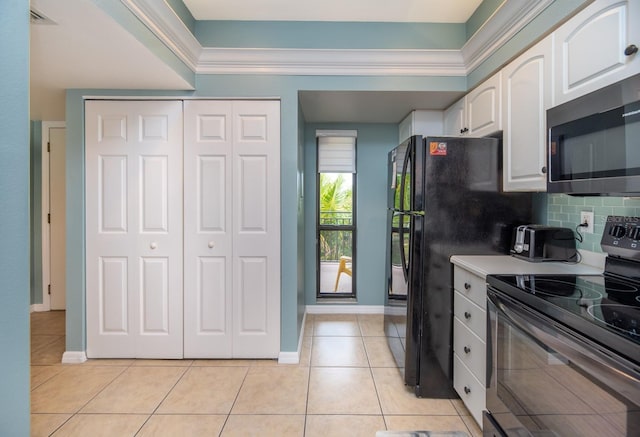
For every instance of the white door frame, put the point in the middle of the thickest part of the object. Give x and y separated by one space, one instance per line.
46 234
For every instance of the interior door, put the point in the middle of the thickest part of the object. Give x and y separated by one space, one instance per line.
208 297
57 218
256 229
134 229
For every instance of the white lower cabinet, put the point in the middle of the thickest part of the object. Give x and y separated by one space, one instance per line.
469 340
471 391
182 229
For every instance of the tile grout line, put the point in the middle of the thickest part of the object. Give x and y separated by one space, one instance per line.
164 398
235 399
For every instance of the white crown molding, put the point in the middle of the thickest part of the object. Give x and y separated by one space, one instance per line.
169 28
331 62
506 21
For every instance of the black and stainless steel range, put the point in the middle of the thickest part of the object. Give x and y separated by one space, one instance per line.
565 350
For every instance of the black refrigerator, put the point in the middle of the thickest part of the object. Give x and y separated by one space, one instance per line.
444 198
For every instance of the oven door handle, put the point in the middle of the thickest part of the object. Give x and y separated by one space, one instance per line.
614 371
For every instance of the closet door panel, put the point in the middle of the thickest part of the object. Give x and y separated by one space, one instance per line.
207 231
134 229
256 229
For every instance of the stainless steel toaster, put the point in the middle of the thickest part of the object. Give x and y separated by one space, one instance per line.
539 243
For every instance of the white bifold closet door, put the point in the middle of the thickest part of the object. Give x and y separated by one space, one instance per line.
134 229
232 229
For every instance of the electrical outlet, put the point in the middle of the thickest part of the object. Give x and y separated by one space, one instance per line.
587 217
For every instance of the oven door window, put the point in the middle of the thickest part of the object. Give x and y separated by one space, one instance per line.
550 395
599 146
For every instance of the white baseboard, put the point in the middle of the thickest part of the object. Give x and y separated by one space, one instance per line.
288 358
344 309
294 357
74 357
38 307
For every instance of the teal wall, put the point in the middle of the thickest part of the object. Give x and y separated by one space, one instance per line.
330 35
564 210
35 216
14 218
373 144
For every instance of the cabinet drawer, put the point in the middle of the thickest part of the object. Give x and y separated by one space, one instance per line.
471 391
471 350
471 315
471 286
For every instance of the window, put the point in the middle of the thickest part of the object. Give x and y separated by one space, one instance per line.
336 226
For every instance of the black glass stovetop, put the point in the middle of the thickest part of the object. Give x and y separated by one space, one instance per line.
603 308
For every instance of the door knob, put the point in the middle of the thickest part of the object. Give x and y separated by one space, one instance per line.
631 50
467 390
211 244
467 286
153 245
467 349
467 315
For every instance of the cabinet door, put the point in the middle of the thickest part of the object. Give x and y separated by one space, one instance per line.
208 297
590 47
526 96
483 108
256 229
454 119
134 229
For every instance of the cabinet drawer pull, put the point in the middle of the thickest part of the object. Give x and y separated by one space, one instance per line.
544 170
153 245
467 349
467 286
211 244
631 50
467 315
467 390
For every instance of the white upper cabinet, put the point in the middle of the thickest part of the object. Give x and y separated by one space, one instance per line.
526 95
454 119
420 122
590 48
483 108
478 113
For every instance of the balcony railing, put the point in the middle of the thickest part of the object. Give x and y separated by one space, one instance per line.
336 218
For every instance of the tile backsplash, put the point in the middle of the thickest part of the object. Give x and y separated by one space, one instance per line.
564 210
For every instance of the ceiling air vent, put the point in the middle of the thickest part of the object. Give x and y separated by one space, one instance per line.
39 18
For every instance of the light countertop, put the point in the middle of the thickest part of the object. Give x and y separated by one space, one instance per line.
483 265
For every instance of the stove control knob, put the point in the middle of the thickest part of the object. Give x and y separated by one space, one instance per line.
617 231
634 233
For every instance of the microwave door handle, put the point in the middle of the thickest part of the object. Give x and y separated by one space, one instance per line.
615 372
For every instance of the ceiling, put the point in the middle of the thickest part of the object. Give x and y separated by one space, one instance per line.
84 47
401 11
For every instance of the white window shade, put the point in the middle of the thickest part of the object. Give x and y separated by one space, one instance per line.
336 154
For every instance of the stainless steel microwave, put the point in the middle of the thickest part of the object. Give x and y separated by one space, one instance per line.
594 142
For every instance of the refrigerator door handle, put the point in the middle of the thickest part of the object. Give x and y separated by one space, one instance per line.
405 164
403 258
394 170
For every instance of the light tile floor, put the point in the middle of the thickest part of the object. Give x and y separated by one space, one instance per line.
345 385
